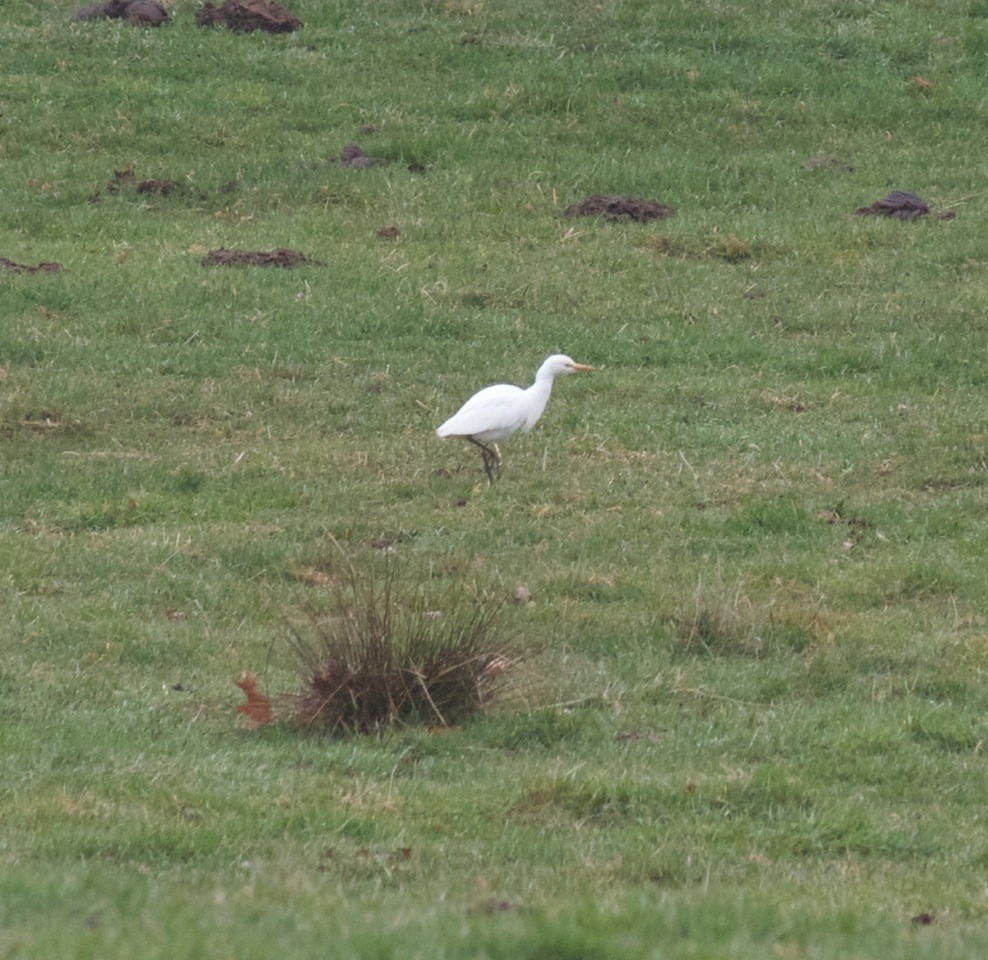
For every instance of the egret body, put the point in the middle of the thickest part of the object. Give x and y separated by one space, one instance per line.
495 413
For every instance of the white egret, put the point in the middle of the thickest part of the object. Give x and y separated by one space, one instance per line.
497 412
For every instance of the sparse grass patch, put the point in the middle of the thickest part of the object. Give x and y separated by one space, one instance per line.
727 249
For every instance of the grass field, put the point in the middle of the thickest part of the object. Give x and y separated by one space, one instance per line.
750 716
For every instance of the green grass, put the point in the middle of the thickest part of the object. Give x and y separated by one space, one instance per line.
751 712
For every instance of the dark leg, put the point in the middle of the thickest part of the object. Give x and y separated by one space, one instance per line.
491 459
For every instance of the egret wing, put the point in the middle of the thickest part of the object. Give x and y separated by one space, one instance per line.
492 414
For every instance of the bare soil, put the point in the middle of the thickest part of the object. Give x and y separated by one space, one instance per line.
286 259
44 267
620 208
245 16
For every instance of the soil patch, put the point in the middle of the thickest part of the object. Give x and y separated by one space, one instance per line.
353 156
6 264
145 13
126 179
620 208
286 259
245 16
161 188
900 205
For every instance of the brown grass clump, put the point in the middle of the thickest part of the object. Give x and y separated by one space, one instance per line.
383 655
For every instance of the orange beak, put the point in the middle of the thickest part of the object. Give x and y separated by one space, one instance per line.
582 366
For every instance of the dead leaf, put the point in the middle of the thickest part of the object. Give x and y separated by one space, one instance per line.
922 83
257 709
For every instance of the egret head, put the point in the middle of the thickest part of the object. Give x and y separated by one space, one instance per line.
559 364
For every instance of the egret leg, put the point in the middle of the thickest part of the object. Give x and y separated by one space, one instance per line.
491 459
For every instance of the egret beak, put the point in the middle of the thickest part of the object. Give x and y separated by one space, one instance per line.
582 366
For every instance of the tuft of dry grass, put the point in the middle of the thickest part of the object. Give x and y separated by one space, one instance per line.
723 620
382 654
719 621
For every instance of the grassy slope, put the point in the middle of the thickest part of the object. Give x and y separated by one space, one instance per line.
805 698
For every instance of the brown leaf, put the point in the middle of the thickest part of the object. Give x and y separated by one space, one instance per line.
922 83
257 709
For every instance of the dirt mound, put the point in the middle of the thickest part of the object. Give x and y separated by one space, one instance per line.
286 259
620 208
899 205
145 13
6 264
244 16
